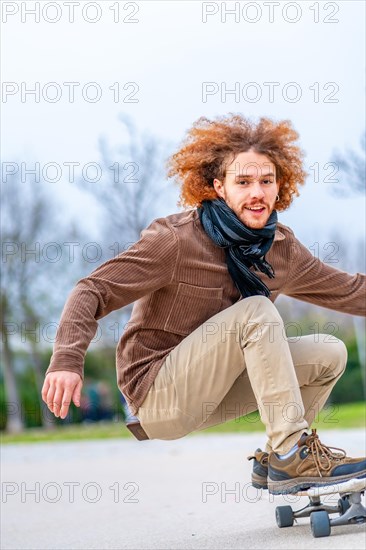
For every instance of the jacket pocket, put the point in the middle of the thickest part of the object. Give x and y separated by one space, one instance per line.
191 307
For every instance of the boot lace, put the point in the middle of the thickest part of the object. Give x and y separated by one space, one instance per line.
323 455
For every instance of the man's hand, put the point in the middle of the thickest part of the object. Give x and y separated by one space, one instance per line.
59 388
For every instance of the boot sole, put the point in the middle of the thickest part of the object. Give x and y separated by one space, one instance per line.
259 482
297 484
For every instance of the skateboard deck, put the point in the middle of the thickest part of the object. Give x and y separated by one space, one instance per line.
349 507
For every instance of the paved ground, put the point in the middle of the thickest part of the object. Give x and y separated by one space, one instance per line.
189 493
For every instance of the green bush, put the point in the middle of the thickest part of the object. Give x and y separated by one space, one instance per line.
99 366
350 387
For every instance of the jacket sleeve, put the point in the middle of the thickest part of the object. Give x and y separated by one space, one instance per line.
311 280
146 266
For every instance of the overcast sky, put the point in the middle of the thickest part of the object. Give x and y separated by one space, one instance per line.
157 57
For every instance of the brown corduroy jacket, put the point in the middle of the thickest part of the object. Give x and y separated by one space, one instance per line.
178 278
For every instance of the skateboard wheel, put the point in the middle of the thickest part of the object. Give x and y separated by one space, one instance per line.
343 505
320 524
284 516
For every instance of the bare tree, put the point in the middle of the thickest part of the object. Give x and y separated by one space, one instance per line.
20 226
134 185
352 170
27 295
133 192
13 410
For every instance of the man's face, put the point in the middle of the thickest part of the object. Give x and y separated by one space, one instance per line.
250 182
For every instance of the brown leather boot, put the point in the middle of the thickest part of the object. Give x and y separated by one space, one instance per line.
312 465
260 469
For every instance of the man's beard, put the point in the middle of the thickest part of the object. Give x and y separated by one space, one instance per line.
250 221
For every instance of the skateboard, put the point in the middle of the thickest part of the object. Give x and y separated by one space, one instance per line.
349 507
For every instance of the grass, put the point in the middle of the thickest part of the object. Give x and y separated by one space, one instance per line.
349 415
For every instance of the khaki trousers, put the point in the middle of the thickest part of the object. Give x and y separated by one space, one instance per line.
239 361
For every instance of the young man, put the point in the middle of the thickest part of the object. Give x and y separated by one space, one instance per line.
205 342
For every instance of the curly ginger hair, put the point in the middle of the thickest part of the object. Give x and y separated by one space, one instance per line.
210 146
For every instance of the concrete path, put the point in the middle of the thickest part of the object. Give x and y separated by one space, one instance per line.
125 494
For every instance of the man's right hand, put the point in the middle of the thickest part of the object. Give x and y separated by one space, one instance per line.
59 388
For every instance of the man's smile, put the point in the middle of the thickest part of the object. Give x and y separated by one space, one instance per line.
255 210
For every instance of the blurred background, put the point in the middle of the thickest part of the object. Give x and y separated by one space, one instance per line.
96 96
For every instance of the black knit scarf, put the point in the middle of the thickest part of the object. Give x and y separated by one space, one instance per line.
244 247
